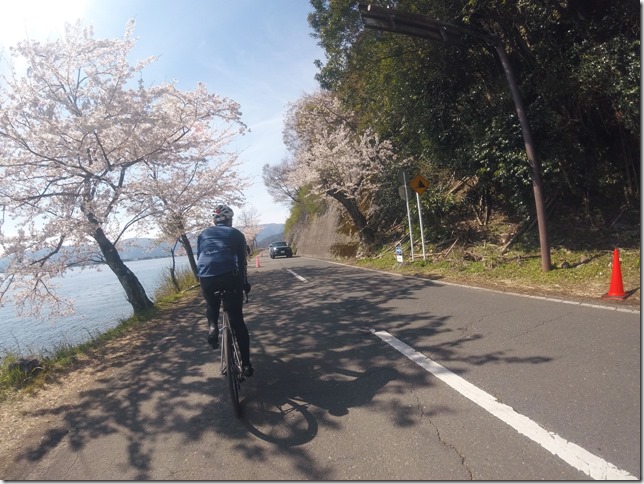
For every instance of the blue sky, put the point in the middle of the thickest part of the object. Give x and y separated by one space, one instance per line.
259 53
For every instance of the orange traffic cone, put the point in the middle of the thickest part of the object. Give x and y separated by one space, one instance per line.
257 261
616 290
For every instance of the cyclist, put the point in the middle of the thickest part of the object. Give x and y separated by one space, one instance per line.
221 264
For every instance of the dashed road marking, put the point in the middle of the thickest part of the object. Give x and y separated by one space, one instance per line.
579 458
297 275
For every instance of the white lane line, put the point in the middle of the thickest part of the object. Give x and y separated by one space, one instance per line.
581 459
297 275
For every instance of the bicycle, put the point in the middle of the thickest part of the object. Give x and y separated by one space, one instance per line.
231 362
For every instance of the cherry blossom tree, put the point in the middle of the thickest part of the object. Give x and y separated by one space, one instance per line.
335 158
79 134
183 196
278 184
248 223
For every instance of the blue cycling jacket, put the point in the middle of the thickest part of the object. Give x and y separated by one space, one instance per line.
221 249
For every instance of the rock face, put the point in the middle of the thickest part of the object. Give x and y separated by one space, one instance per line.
323 236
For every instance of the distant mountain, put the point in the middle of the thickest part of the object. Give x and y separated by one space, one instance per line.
148 248
269 230
270 233
129 249
268 240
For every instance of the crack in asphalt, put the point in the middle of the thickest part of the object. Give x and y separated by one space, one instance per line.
444 442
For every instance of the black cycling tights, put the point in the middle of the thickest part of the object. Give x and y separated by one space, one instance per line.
234 303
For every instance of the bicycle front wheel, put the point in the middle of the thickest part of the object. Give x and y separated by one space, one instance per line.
231 370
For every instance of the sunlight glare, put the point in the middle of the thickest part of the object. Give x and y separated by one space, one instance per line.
37 19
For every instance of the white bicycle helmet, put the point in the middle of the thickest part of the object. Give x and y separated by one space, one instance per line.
222 212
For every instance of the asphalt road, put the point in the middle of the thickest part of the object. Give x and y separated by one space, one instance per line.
364 375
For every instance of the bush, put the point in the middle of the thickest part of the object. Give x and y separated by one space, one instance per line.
167 290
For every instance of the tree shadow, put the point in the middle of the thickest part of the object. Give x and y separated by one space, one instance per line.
315 360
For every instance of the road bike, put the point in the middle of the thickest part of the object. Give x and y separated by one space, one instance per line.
231 362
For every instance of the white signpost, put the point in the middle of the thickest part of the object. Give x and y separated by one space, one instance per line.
419 184
404 194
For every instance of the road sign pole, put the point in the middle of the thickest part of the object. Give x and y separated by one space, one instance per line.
422 231
411 239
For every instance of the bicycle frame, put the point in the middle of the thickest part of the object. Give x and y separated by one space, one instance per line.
231 363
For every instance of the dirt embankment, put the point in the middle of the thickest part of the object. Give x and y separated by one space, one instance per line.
323 237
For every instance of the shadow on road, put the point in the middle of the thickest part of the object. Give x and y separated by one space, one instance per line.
315 361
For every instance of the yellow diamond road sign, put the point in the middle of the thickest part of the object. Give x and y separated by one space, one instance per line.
419 184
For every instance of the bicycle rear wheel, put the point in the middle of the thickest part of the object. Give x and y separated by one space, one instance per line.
232 372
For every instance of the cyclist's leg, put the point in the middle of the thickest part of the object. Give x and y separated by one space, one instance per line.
209 285
234 303
241 333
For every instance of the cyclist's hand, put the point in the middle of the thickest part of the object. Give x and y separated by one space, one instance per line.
246 287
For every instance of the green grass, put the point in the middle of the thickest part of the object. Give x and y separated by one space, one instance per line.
574 273
64 356
166 292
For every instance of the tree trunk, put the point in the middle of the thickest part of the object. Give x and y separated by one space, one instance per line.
173 274
134 291
365 232
191 255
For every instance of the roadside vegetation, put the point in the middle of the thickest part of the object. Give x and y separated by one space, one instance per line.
582 255
29 374
470 253
393 106
584 274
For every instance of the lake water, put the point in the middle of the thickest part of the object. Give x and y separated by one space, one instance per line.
100 305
